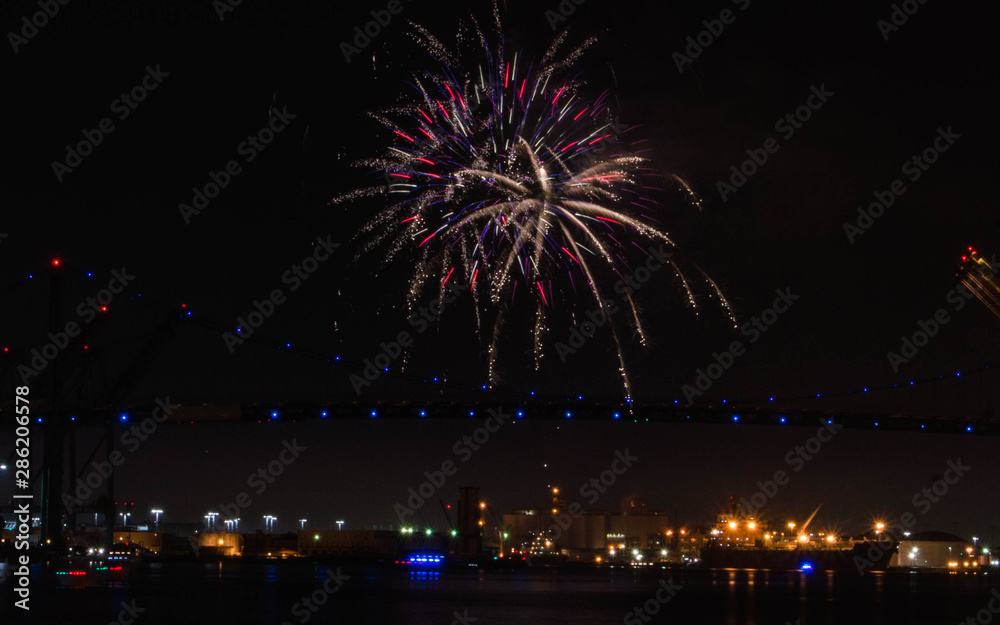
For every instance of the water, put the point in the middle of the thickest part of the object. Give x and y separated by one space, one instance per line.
272 593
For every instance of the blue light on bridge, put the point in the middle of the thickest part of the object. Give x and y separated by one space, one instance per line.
323 414
123 417
569 415
374 414
618 415
274 414
423 413
520 413
783 420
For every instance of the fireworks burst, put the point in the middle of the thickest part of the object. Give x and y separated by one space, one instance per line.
502 174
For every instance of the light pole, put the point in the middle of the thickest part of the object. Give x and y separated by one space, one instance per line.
211 519
269 522
236 523
155 511
124 516
340 525
303 524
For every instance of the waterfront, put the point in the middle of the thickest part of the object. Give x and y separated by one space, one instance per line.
262 592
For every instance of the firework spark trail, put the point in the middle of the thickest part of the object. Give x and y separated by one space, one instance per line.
482 176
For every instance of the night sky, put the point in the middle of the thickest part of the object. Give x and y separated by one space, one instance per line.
218 81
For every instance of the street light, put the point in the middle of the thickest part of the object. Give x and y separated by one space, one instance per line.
124 516
269 522
303 522
340 525
154 511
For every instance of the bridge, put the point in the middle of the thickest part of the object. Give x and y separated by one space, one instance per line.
70 392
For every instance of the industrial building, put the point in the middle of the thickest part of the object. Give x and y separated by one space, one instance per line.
937 550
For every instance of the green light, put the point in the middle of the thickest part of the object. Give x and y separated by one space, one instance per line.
454 533
428 532
505 535
316 537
